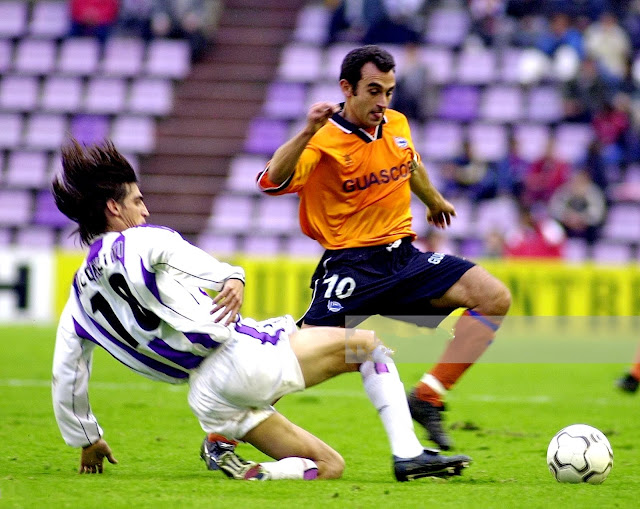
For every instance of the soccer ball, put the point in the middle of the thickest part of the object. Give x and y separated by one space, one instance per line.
580 453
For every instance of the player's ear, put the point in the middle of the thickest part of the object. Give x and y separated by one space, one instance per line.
346 88
113 207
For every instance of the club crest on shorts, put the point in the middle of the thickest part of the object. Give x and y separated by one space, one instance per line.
334 306
401 142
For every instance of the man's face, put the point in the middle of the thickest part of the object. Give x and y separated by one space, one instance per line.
133 211
366 105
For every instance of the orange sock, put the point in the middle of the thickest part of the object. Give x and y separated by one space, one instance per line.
214 437
473 334
635 371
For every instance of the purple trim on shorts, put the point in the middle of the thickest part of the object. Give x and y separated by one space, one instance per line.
264 337
150 281
202 339
311 474
187 360
94 249
380 367
483 319
149 362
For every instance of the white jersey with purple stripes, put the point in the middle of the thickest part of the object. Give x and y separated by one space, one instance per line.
139 295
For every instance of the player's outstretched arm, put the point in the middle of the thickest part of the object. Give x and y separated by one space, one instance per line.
439 211
284 160
93 456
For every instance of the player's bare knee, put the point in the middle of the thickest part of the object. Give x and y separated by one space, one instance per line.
331 465
362 342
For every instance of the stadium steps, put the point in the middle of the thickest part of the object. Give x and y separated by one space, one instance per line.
212 110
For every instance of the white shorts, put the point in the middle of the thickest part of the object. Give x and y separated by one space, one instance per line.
232 391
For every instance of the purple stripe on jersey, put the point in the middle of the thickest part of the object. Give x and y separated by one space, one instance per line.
381 367
94 249
187 360
150 281
264 337
202 339
75 285
117 249
148 361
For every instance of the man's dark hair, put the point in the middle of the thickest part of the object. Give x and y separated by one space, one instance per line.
354 61
90 177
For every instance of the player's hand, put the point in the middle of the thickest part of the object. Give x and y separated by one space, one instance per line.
319 113
229 300
92 457
439 213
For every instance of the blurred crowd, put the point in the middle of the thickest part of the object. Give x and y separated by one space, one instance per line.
587 48
193 20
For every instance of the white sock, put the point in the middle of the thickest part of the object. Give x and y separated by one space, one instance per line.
291 468
386 392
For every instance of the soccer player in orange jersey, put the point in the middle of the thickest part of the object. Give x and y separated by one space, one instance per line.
630 381
354 167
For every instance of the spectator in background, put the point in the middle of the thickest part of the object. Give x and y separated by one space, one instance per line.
415 94
93 18
135 18
610 126
535 236
560 33
398 22
608 43
510 171
184 19
586 94
467 175
544 176
580 206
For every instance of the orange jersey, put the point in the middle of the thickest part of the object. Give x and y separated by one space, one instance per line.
353 185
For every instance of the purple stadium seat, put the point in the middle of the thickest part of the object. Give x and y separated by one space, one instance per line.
47 214
134 133
15 207
488 141
502 104
606 253
5 237
10 130
510 65
89 129
323 91
544 104
242 174
6 51
13 18
168 58
476 66
572 141
532 140
261 245
49 19
276 215
333 57
301 63
218 245
442 141
285 100
61 94
499 214
622 223
265 136
459 102
46 131
151 96
105 95
463 225
34 56
447 27
78 56
231 214
575 250
302 246
312 25
38 237
26 169
123 56
18 93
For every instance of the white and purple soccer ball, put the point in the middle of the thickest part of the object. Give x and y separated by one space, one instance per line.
580 453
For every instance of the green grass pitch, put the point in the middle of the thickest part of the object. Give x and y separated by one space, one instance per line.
502 415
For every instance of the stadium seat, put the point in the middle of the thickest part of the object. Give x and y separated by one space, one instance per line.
218 245
606 253
243 170
501 103
532 140
13 19
301 63
10 130
46 131
441 141
15 207
572 141
285 100
622 223
276 215
447 27
134 134
61 94
90 129
78 56
151 96
105 95
312 24
459 102
323 91
576 250
34 56
261 245
35 237
476 66
488 141
419 223
333 57
299 245
18 93
499 214
231 214
68 239
123 56
5 237
49 19
439 62
265 136
6 55
168 58
26 170
463 224
509 65
544 104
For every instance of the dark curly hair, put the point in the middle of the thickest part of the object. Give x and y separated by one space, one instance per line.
353 62
90 177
